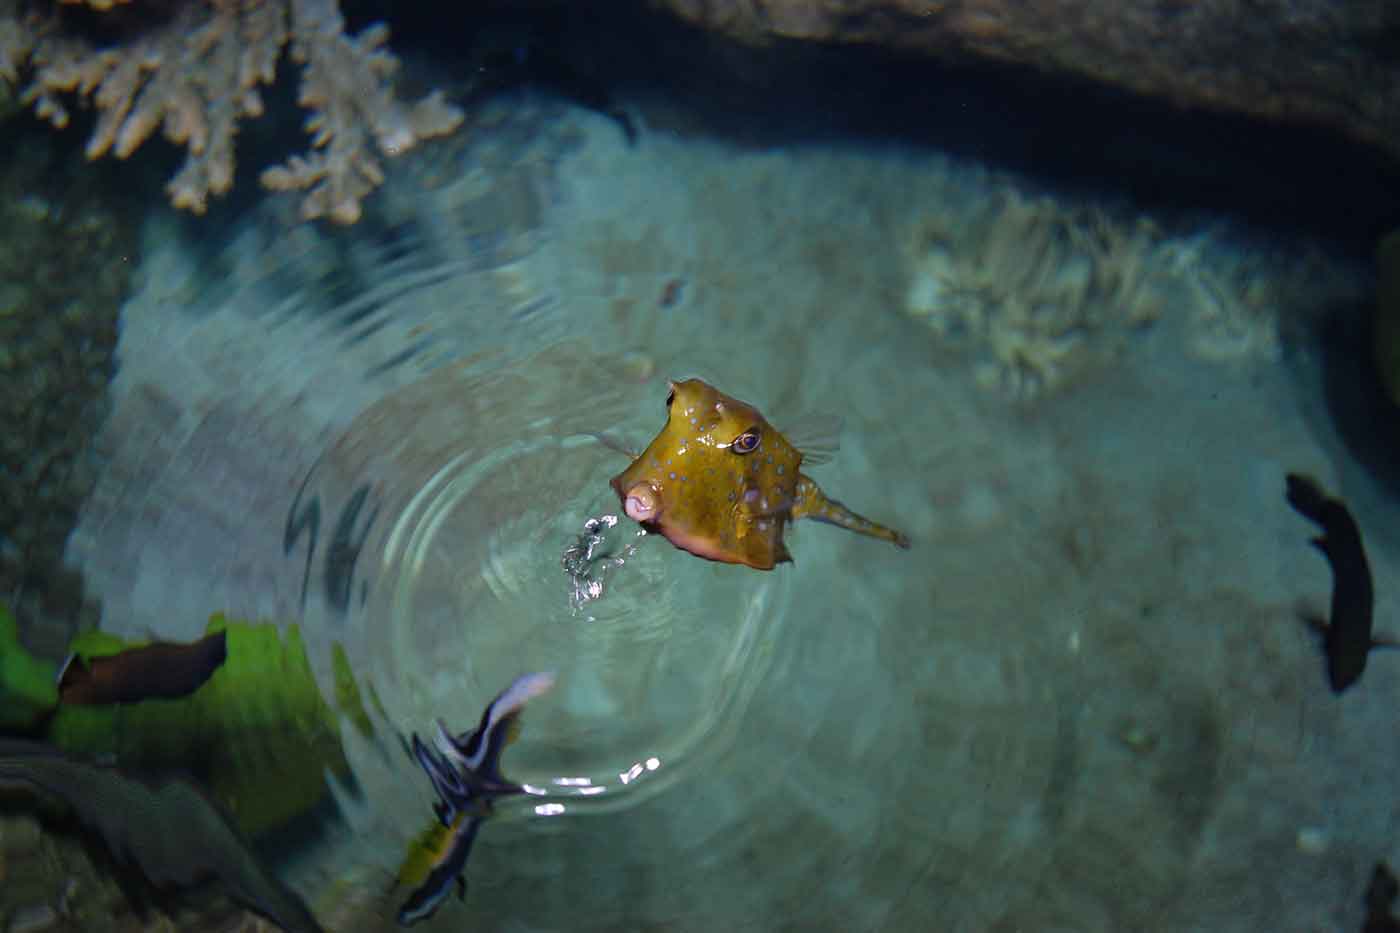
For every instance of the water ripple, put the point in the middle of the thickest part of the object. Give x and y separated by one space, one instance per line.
482 477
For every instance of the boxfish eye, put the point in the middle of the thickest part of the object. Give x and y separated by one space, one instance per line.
746 442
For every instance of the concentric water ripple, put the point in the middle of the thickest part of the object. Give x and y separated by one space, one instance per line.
457 498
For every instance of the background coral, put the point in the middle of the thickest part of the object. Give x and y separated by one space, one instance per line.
1042 290
196 72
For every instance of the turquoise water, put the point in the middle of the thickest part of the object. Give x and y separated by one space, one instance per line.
1081 701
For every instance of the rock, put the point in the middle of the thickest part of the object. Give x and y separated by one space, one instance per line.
1300 61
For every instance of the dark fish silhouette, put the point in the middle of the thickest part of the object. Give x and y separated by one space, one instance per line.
1346 636
1380 897
160 670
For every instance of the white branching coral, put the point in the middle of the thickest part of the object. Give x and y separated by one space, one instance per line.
1042 289
195 75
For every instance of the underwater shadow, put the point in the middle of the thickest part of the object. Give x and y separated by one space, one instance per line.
1366 421
1064 129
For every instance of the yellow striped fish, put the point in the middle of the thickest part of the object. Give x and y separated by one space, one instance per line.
465 771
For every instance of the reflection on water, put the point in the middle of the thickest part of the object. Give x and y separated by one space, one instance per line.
479 478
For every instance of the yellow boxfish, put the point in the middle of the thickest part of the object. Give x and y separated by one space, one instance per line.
720 482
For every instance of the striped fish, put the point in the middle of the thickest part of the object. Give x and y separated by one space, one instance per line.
465 771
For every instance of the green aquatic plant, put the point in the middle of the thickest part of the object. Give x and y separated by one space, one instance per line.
347 693
27 689
258 734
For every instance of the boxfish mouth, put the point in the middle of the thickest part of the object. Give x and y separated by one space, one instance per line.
641 502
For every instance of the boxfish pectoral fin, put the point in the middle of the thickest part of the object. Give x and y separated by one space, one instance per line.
812 503
817 435
756 503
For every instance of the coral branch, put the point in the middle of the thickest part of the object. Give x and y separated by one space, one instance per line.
345 86
196 75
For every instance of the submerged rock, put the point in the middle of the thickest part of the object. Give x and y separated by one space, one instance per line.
1301 61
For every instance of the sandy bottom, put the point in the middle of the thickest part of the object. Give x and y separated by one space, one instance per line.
1083 699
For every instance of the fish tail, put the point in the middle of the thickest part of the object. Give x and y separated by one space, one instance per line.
812 503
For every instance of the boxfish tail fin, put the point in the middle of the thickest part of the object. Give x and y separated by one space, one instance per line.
812 503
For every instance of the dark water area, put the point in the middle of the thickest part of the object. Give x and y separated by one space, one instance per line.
1062 130
1355 398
